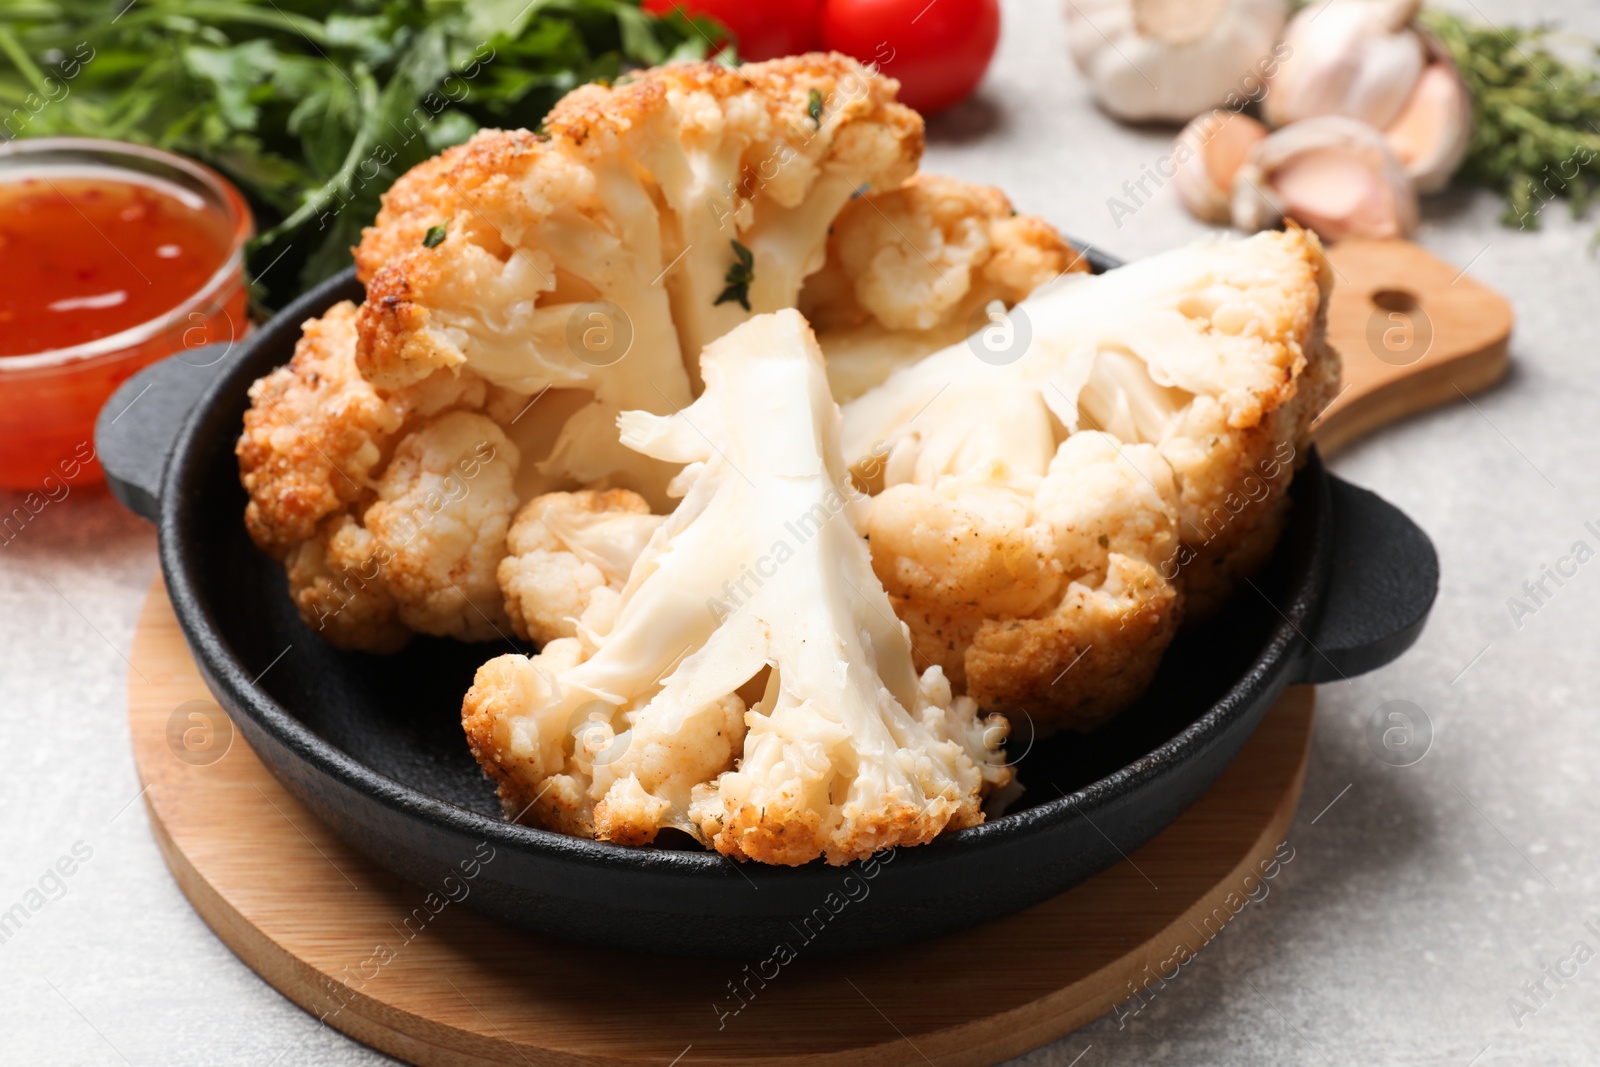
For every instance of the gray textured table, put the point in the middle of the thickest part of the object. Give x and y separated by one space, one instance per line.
1420 899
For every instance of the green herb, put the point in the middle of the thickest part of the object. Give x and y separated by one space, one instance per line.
740 274
814 108
313 108
1536 135
435 235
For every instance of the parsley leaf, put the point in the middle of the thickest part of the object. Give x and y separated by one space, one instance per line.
814 108
435 235
740 274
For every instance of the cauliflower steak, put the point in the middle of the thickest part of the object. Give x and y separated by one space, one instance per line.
647 218
1048 511
750 685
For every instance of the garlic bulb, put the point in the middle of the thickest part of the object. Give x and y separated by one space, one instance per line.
1208 153
1173 59
1359 58
1433 131
1331 174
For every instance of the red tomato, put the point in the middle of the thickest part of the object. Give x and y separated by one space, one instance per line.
939 49
765 29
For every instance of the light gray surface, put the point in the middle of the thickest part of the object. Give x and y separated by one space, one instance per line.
1414 908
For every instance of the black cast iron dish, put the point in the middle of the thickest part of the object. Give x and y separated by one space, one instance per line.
373 745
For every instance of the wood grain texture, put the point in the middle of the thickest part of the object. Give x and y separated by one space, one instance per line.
1414 332
343 939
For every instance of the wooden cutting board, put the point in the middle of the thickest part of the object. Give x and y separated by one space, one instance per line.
329 929
1414 332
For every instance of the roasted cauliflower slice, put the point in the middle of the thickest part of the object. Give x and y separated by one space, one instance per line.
646 219
913 269
1045 511
752 687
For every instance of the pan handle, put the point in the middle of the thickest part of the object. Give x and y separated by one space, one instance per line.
134 433
1383 575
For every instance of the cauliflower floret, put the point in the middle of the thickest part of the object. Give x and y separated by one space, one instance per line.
649 218
1040 517
322 448
754 688
424 556
569 557
439 526
314 433
336 582
910 270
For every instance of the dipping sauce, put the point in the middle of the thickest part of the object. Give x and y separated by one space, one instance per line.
112 256
89 256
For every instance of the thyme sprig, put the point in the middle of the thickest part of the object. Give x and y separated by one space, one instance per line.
1536 133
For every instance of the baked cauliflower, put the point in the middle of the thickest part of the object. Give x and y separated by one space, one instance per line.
646 219
546 281
1049 509
750 686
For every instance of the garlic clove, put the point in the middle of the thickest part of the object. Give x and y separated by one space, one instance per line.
1431 135
1208 154
1359 58
1332 174
1170 60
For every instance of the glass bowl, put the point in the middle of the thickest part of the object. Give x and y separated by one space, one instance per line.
49 400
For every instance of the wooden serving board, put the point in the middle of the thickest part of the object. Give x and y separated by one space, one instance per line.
1414 332
329 929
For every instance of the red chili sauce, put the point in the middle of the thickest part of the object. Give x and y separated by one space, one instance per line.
87 257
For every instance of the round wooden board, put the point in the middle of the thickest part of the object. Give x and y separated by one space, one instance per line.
362 950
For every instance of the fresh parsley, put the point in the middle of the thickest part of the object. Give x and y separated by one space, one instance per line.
814 108
740 274
435 235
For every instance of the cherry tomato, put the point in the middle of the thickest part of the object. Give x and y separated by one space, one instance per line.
938 50
765 29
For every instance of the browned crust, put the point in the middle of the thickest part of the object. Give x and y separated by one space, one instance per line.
1230 535
392 321
1015 661
435 191
311 436
796 836
1046 668
497 696
939 636
1217 569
